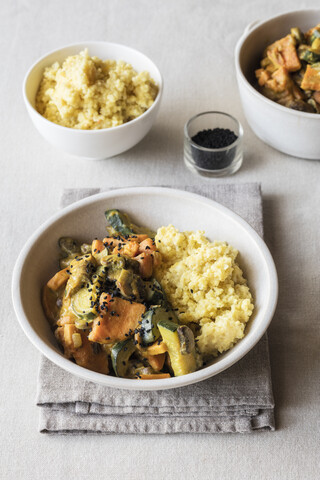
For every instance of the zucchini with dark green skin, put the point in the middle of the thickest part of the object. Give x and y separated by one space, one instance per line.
309 56
130 285
83 303
179 340
80 269
297 35
315 35
120 355
119 221
154 293
68 246
69 249
149 332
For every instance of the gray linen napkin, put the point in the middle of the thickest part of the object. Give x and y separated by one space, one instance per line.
238 400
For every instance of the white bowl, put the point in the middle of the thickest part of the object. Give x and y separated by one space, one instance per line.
93 144
153 207
290 131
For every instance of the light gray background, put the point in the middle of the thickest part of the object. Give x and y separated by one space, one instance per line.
192 42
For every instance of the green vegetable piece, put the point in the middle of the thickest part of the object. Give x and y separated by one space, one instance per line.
120 355
315 34
131 286
68 246
81 269
149 332
308 55
297 35
181 347
154 293
119 221
85 248
114 265
83 303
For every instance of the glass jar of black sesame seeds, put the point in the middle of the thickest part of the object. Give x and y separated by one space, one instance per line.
213 144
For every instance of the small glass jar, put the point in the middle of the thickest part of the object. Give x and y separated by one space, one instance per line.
213 162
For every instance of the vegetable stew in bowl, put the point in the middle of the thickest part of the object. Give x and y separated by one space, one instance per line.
120 306
290 70
108 311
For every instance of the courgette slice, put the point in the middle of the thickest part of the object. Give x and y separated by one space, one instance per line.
181 347
154 293
308 54
149 332
81 269
130 285
120 355
315 34
297 35
68 246
119 221
83 303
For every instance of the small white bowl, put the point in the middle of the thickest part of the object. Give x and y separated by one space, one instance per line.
93 144
290 131
152 207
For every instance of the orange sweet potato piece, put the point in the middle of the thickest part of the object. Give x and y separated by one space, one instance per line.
118 317
148 245
59 279
145 264
129 248
157 348
156 361
97 246
84 355
157 259
124 246
140 237
283 53
311 79
154 376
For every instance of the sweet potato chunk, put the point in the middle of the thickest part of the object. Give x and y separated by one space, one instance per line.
85 356
156 361
311 79
59 279
283 53
148 245
145 264
123 246
118 317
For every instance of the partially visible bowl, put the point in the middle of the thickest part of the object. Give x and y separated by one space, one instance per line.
94 144
290 131
152 207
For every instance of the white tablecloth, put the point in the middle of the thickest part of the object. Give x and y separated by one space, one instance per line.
192 42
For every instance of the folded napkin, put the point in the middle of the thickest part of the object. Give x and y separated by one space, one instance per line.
237 400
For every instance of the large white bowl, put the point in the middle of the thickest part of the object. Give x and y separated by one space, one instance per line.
292 132
93 144
151 207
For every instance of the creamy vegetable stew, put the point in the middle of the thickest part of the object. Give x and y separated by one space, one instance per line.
108 311
290 70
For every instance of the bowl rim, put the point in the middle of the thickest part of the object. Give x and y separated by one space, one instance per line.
128 384
246 34
28 104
